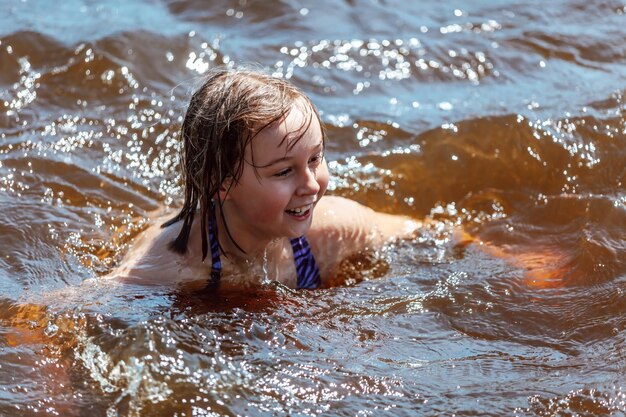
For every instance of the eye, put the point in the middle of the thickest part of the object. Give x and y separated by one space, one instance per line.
317 158
283 173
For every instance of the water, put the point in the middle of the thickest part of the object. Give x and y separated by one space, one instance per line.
506 119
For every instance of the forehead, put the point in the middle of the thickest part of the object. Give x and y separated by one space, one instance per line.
300 128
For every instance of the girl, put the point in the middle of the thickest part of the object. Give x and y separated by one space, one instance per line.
254 177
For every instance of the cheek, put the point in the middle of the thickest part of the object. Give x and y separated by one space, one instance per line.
323 177
271 202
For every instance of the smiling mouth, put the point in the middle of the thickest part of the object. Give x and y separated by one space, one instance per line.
301 211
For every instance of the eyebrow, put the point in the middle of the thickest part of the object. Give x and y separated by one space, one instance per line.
286 158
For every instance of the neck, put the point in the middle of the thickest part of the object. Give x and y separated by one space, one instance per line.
248 247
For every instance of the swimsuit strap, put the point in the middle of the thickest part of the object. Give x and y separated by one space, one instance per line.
306 268
216 263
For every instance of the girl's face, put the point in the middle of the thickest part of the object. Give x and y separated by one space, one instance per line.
277 198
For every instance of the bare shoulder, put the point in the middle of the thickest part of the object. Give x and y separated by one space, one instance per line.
333 212
342 227
346 218
150 260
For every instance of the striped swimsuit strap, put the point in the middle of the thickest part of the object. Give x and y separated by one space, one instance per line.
307 271
216 263
306 268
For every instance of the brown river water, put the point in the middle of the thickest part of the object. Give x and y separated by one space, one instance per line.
504 119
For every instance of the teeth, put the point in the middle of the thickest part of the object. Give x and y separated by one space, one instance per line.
299 210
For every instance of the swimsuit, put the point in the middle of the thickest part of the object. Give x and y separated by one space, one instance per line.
306 268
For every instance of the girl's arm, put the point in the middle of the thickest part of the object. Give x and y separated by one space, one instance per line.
343 227
360 224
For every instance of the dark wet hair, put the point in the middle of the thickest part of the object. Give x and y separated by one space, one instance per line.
230 108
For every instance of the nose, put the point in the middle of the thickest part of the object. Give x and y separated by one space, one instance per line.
308 183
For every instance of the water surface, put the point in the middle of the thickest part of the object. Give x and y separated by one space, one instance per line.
505 119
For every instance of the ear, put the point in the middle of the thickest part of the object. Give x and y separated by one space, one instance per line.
224 190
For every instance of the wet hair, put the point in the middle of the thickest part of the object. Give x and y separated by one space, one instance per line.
229 110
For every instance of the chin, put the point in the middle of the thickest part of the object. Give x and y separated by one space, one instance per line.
300 231
295 234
